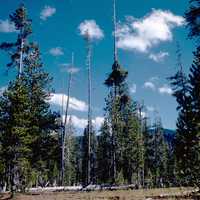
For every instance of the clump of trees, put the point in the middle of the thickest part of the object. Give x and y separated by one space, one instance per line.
29 151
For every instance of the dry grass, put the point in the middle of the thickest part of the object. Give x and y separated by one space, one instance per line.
166 194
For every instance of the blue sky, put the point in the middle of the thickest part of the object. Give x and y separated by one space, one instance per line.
147 36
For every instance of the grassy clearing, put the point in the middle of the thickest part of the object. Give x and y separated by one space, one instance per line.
167 194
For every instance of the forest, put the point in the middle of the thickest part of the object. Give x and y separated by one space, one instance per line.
39 148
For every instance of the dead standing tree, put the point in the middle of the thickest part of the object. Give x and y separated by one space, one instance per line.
71 70
90 32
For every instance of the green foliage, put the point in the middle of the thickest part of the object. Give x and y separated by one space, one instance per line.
26 121
187 148
85 157
70 160
192 17
104 154
194 135
121 141
159 156
23 25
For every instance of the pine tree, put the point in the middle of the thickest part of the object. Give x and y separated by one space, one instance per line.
132 161
185 123
43 120
148 154
29 119
15 136
92 157
119 115
193 138
78 160
70 176
115 82
194 135
192 17
18 49
104 154
124 127
160 155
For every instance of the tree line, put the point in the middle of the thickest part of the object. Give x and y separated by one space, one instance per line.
127 149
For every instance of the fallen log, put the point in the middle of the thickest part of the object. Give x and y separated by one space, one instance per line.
80 188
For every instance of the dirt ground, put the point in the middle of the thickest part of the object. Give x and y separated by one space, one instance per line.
165 194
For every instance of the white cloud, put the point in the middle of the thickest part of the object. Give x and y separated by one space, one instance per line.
67 67
74 103
92 29
133 88
158 57
7 27
149 85
143 34
98 121
73 70
57 51
81 123
47 11
165 89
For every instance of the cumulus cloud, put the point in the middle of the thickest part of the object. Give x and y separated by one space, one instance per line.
98 121
73 70
133 88
7 27
74 103
47 12
165 89
57 51
158 57
67 67
89 27
149 85
143 34
81 123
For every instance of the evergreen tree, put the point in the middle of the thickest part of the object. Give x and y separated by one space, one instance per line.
24 106
133 145
78 159
185 124
192 17
148 154
42 119
70 162
17 50
104 154
15 136
85 157
115 82
124 126
193 142
159 168
193 137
